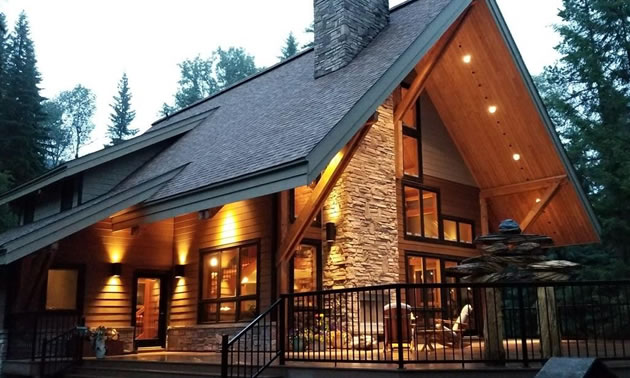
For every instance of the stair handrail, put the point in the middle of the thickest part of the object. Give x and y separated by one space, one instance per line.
228 345
73 352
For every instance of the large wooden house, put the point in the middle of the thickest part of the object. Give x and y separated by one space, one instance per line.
376 157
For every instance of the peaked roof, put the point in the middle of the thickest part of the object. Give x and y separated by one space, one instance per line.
72 167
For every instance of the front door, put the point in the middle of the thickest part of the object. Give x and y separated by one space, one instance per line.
149 309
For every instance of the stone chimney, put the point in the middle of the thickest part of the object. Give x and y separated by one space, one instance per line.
343 28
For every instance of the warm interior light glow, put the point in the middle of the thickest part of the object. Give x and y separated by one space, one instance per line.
516 157
467 58
538 200
492 109
245 280
225 308
214 261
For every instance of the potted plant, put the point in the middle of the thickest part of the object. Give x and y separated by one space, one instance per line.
98 337
296 342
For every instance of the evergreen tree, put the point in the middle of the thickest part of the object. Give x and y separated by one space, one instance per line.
233 65
78 109
23 137
588 96
122 115
290 47
310 30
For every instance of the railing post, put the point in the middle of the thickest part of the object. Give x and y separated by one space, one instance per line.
282 328
34 341
43 360
522 319
399 329
224 356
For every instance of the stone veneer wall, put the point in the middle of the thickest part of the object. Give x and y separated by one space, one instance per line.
363 206
343 28
207 338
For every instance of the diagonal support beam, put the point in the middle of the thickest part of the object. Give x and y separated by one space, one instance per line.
323 188
535 212
425 66
521 187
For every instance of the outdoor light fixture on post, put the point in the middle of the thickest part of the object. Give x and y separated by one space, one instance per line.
331 232
179 270
116 269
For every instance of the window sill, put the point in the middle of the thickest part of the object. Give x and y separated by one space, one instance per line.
438 241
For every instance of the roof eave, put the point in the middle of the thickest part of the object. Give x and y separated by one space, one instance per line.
542 111
83 163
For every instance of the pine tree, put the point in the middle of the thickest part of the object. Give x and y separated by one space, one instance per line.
23 137
310 30
196 82
122 115
290 47
588 96
60 134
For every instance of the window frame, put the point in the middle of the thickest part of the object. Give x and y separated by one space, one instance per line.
417 135
319 278
457 221
422 188
80 268
237 298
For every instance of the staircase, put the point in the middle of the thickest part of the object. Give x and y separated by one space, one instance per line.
145 369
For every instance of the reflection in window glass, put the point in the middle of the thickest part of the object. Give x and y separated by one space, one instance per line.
410 156
61 289
430 212
305 269
415 270
412 211
228 273
450 230
409 118
465 233
248 270
229 284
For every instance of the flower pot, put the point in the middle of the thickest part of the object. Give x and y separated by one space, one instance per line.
99 347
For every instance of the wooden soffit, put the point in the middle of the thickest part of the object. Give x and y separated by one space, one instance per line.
463 93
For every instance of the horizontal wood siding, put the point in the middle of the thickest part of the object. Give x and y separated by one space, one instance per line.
440 157
234 223
107 299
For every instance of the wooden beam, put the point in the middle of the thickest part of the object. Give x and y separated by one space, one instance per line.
424 68
485 221
323 188
535 212
521 187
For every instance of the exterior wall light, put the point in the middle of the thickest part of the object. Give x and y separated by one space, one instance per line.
179 271
331 232
116 269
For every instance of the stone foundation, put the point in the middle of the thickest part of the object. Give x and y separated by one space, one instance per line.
205 338
366 250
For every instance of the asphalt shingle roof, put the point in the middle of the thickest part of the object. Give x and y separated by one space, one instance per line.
281 115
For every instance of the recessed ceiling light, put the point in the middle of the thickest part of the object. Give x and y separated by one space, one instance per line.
538 200
467 58
516 157
492 109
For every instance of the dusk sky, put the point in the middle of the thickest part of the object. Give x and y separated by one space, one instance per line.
94 42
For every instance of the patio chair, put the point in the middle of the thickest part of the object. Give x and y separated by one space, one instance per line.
450 333
391 326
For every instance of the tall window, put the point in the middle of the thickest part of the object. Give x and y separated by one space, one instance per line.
421 212
62 288
428 270
229 284
412 154
306 268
